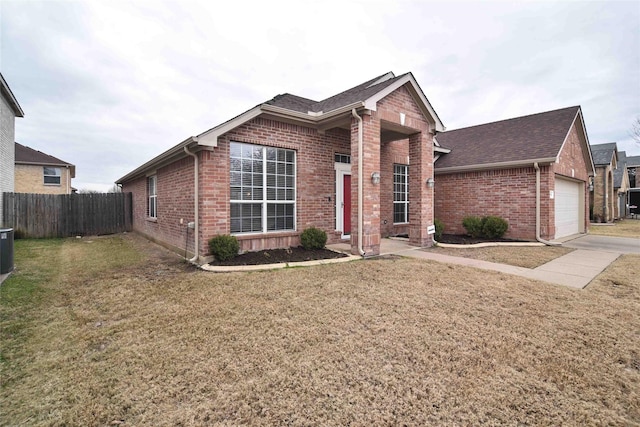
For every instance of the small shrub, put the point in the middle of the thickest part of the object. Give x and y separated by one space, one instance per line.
224 247
439 229
313 238
494 227
473 225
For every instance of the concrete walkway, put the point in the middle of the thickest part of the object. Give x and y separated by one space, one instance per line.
576 269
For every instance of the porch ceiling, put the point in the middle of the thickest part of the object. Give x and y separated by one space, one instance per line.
394 132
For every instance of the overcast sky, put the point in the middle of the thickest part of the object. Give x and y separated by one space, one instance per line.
109 85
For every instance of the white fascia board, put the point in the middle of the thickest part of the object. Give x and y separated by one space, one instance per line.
438 149
209 138
499 165
384 78
371 103
13 102
176 150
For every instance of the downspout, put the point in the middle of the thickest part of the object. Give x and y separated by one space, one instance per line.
196 234
538 238
360 181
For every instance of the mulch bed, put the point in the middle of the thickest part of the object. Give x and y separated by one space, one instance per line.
461 239
274 256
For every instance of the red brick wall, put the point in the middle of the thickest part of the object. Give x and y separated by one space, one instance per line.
174 201
508 193
315 179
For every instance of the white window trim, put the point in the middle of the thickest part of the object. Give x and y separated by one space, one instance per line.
265 202
406 185
59 176
152 198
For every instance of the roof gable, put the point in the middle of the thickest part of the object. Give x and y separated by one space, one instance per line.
527 139
620 175
11 99
605 154
320 115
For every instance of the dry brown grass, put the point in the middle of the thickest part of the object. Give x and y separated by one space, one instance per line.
625 228
528 257
379 342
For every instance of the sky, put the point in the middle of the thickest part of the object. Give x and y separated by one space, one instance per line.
109 85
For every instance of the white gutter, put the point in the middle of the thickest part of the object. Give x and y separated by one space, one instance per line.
196 196
538 238
497 165
360 181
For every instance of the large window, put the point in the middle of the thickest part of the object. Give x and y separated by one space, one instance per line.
52 176
152 190
400 194
263 188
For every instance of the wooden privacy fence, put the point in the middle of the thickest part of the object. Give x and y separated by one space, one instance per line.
66 215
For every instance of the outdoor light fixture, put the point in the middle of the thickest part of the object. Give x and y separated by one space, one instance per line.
375 177
430 182
590 184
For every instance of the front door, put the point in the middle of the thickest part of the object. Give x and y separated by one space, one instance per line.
343 199
346 201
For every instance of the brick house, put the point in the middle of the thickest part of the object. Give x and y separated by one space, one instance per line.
633 169
9 110
533 171
344 164
360 166
41 173
604 199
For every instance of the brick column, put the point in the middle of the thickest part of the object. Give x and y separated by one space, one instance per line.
371 197
420 195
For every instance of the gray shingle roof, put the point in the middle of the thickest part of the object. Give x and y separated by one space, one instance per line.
618 173
34 157
536 136
358 93
603 153
633 161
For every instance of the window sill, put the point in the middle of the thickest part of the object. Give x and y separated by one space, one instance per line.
149 219
269 234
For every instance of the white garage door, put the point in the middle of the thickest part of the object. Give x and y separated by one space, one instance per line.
567 207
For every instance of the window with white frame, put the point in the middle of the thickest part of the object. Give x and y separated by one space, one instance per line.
400 194
152 190
263 188
52 176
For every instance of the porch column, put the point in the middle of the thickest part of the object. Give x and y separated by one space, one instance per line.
371 197
420 195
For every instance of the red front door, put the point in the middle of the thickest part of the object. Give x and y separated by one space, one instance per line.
346 212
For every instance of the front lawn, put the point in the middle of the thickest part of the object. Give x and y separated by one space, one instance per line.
625 228
526 256
120 332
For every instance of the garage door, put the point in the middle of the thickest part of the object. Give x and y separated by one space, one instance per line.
567 207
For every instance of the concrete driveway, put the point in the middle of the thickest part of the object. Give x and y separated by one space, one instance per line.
619 245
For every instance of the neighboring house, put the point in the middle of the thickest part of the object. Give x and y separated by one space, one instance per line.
9 110
292 163
360 166
621 186
605 159
633 169
532 171
37 172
